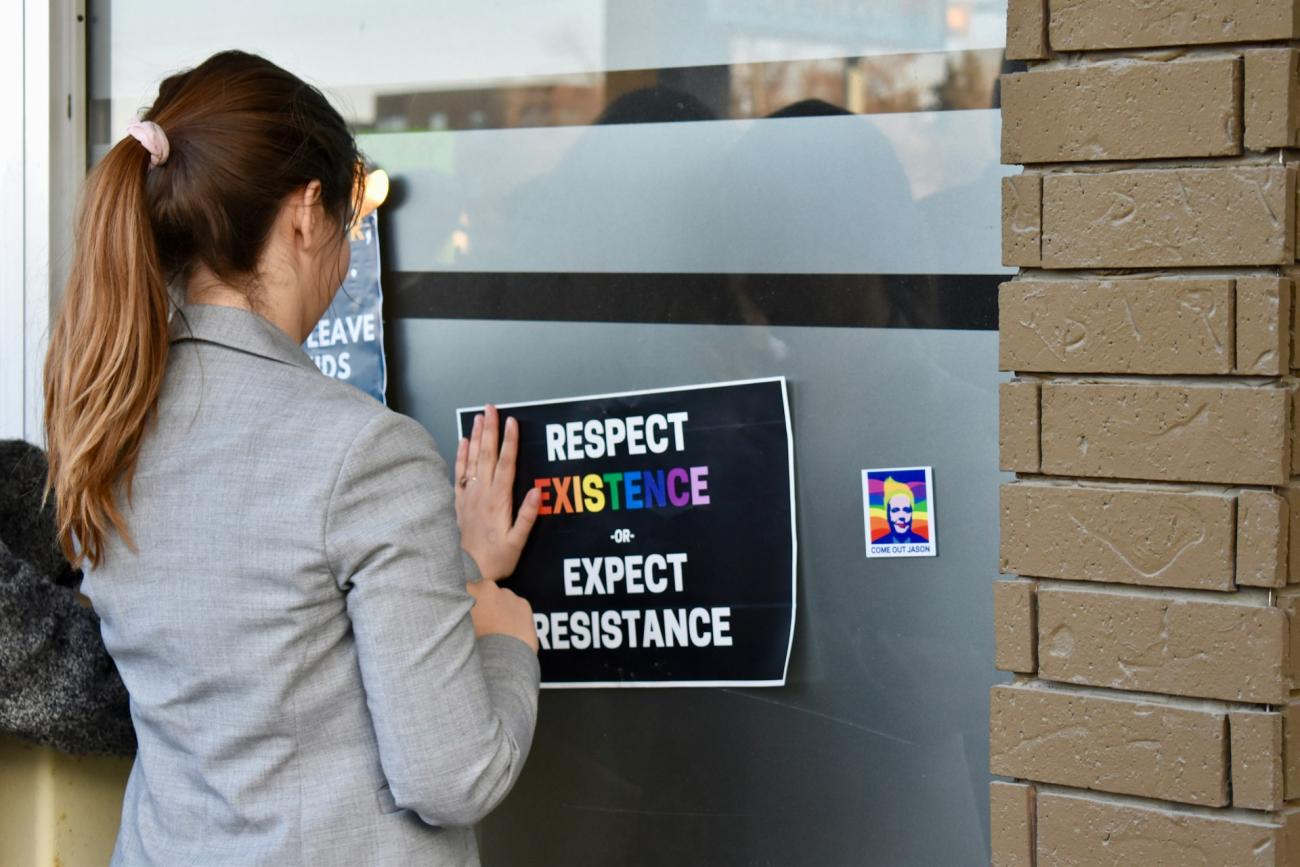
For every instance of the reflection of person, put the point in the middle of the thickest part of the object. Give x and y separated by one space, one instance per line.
274 555
900 504
657 104
813 189
545 229
58 685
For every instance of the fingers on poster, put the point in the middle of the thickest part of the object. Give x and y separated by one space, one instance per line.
899 514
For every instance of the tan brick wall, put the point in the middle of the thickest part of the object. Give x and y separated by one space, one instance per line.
1011 817
1077 830
1022 220
1119 535
1263 320
1257 770
1119 326
1014 613
1291 751
1179 109
1110 744
1263 522
1272 108
1026 29
1078 25
1167 218
1170 432
1018 426
1153 642
1150 617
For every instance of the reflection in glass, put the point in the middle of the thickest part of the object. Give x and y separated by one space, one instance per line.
872 84
441 64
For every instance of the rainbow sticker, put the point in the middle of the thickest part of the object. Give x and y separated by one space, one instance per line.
898 511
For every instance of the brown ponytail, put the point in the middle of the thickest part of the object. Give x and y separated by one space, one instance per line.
107 352
244 134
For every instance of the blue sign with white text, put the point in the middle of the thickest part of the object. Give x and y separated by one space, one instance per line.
348 342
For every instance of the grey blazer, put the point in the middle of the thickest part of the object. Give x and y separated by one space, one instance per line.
293 628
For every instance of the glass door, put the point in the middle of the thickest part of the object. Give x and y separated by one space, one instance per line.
595 196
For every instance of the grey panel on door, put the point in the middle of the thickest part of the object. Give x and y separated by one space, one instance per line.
876 752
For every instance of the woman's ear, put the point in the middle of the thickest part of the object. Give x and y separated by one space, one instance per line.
309 216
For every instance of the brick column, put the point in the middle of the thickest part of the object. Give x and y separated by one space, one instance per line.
1154 522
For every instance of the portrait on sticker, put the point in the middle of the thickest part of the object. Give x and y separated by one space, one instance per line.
898 511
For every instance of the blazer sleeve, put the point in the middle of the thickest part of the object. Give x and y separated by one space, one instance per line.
453 715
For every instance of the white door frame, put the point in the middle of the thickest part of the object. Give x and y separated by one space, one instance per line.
42 163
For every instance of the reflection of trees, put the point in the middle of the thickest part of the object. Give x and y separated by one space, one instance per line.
758 89
917 82
889 84
877 84
967 84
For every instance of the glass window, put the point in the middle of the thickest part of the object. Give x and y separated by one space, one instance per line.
594 196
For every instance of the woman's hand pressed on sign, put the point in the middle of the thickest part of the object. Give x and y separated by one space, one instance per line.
484 489
485 478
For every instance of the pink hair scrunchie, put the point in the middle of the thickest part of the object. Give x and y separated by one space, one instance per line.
151 135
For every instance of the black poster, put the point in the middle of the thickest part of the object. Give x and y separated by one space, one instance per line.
665 551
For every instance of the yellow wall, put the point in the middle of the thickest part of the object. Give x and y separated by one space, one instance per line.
57 810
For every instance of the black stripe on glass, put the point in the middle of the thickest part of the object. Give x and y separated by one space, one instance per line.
936 301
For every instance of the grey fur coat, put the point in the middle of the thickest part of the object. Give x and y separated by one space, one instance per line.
58 685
